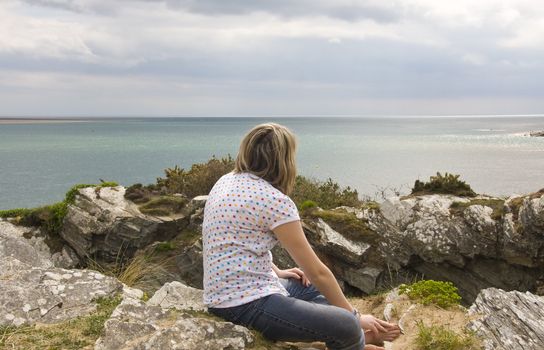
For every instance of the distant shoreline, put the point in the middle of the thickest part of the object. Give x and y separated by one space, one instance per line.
9 121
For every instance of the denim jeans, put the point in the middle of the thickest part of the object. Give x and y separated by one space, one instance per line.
304 316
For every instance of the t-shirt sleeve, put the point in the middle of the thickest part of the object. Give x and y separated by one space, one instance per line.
280 210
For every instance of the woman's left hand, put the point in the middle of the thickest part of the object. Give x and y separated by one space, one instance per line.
294 273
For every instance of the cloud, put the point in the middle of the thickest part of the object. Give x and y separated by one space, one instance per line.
334 51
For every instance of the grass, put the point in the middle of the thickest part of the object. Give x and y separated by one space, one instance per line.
74 334
346 223
439 293
497 205
133 271
163 205
441 338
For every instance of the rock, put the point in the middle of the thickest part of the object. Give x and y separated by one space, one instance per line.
13 244
366 278
178 296
199 201
137 325
508 320
330 240
49 295
104 224
189 264
537 134
66 258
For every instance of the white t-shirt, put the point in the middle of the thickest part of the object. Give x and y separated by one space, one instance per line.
239 215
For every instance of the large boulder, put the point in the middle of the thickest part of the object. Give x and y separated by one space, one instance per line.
103 224
508 320
168 321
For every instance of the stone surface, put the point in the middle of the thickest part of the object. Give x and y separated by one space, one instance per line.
13 244
138 325
178 296
509 320
49 295
103 224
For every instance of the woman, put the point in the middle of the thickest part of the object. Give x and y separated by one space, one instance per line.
247 212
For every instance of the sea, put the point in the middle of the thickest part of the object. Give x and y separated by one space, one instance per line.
379 156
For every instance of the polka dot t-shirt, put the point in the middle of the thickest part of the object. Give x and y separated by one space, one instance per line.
239 215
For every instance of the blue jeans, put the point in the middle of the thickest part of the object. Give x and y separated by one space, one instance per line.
304 316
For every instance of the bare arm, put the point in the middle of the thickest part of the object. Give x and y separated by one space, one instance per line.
292 238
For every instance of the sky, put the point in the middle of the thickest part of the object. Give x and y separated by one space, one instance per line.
271 58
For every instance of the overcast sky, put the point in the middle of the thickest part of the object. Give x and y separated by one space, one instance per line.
275 57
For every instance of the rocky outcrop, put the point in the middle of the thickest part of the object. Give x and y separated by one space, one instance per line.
475 243
103 224
508 320
164 323
33 290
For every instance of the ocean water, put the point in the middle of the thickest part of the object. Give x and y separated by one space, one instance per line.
39 162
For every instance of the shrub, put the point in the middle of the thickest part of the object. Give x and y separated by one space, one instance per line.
308 205
199 179
443 294
326 195
440 338
443 184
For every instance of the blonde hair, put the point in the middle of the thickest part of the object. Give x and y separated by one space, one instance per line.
268 151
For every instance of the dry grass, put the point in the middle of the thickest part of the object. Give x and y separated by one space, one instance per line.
78 333
134 271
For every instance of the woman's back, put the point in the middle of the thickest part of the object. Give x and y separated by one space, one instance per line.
239 215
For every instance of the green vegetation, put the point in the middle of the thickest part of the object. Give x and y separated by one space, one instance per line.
443 294
346 223
497 205
443 184
198 180
326 195
307 205
163 205
74 334
50 217
165 247
441 338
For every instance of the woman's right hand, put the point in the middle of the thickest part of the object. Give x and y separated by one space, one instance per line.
369 322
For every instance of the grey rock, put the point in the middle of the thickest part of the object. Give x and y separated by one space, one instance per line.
66 258
178 296
49 295
365 279
137 325
13 244
102 223
330 240
508 320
